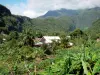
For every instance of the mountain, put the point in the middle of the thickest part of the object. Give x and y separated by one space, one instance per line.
10 22
53 24
4 11
94 30
64 20
61 12
83 18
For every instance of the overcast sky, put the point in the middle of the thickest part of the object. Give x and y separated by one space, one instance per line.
34 8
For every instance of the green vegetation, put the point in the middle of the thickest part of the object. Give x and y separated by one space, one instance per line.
82 18
75 61
4 11
20 56
9 22
94 31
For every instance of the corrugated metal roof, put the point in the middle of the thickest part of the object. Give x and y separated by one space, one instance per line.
49 39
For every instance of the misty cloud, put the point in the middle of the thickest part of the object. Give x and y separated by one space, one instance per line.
34 8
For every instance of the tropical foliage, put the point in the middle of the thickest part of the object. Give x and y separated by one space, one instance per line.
20 56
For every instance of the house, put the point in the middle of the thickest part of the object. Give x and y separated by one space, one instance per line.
70 44
50 39
98 39
37 42
68 37
45 40
4 39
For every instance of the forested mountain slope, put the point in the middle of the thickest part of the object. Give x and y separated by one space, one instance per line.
83 18
94 30
54 21
9 22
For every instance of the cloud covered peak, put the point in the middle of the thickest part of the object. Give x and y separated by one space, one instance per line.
34 8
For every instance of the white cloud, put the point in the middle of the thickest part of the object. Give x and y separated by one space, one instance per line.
31 14
34 8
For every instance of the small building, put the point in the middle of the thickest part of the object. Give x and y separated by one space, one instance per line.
68 37
45 40
4 39
70 44
50 39
98 39
37 42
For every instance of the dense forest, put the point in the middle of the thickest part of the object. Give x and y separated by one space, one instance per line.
20 56
82 18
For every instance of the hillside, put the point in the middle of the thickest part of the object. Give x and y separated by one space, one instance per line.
9 22
61 12
94 30
4 11
66 50
53 24
83 18
54 21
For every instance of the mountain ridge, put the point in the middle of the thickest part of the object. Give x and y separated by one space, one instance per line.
67 12
19 23
83 18
73 19
4 11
